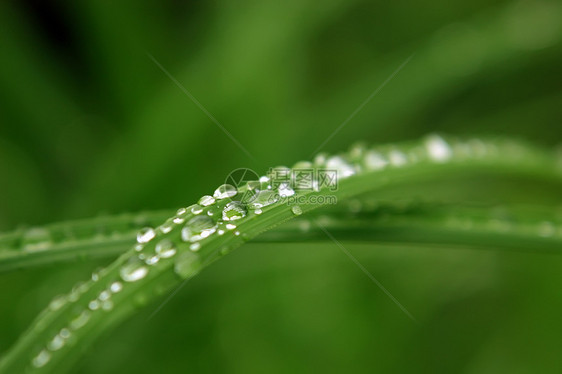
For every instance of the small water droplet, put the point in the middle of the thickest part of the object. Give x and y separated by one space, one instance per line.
206 200
138 247
166 227
438 149
56 343
187 265
80 320
195 246
65 333
397 158
41 359
225 191
285 190
264 179
36 239
258 211
133 270
233 211
107 305
230 226
145 235
178 220
220 232
104 295
116 287
181 211
196 209
153 260
343 168
237 233
57 302
165 248
94 305
375 161
297 210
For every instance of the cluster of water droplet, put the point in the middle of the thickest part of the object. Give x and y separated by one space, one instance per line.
180 238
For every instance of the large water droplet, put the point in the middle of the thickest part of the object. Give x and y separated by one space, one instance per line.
165 248
263 199
233 211
145 235
198 228
133 270
187 265
206 200
225 191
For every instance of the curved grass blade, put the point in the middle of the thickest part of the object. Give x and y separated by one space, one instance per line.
196 236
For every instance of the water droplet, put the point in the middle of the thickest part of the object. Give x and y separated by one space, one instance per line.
285 190
195 246
375 161
343 168
57 302
116 287
94 305
187 265
166 227
198 228
104 295
181 211
138 247
107 305
64 333
36 239
237 233
41 359
258 211
263 199
80 320
145 235
397 158
133 270
230 226
264 179
297 210
252 185
153 260
178 220
233 211
165 248
206 200
196 209
220 232
320 159
438 149
56 343
225 191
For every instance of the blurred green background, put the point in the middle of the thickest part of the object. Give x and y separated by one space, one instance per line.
89 124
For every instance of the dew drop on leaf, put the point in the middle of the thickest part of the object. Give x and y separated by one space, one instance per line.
145 235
